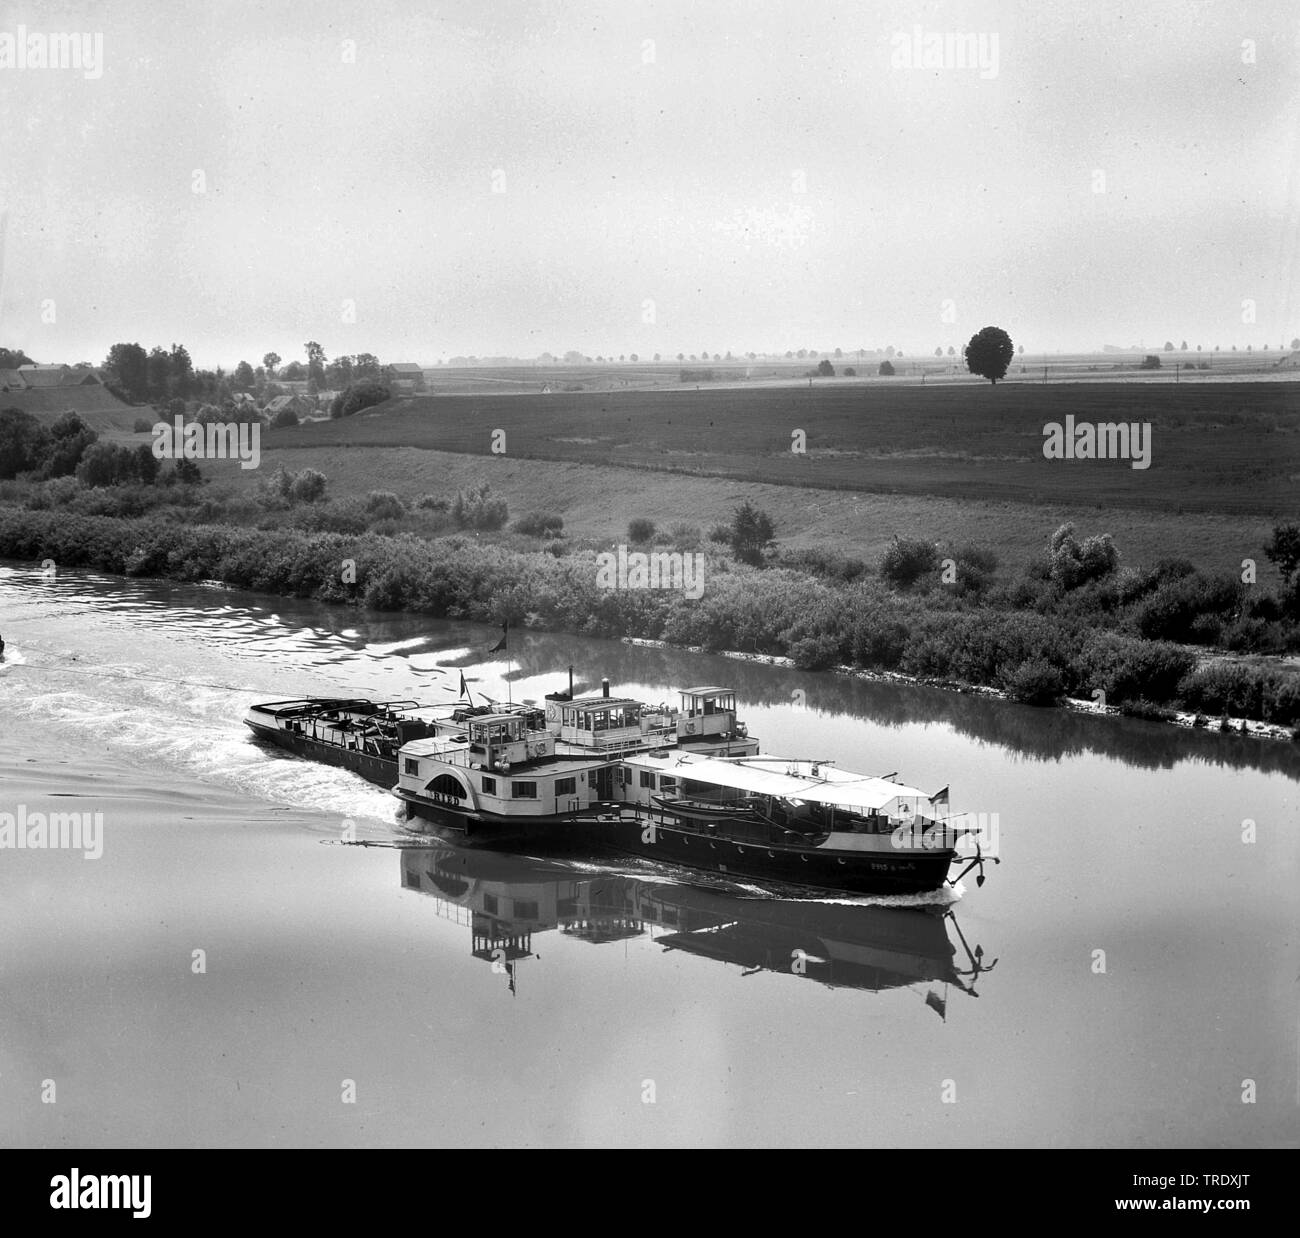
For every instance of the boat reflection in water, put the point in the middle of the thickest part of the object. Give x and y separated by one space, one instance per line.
506 900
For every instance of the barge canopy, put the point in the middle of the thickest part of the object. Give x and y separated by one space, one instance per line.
815 781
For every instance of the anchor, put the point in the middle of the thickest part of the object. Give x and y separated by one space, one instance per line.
977 861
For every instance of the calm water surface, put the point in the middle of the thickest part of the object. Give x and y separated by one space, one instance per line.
1127 966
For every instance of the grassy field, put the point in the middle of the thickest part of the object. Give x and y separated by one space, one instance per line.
1229 449
597 502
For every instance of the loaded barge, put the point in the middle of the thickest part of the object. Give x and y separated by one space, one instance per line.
685 784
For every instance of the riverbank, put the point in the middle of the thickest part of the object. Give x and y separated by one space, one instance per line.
1191 721
1030 657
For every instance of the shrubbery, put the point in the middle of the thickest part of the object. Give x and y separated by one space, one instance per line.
906 561
384 505
479 509
308 486
1074 563
817 608
1036 682
362 394
538 524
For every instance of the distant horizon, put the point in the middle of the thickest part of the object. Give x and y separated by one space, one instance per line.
459 179
557 361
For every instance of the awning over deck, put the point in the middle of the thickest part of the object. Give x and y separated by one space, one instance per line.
792 780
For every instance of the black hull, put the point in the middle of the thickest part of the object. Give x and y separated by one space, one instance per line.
379 770
851 872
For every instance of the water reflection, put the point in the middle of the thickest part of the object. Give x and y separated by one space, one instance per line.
505 902
1042 734
401 654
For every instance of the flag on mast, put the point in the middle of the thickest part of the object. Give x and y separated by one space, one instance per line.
464 687
501 644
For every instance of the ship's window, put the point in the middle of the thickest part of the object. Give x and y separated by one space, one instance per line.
647 779
489 785
412 766
525 909
591 778
668 785
524 790
490 904
566 786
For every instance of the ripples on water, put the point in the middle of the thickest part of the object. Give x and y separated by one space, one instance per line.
1120 834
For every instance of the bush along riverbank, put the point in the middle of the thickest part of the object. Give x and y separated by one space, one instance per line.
817 622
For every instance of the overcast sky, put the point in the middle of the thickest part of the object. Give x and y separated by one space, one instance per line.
520 176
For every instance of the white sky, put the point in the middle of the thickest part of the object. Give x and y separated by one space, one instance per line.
634 173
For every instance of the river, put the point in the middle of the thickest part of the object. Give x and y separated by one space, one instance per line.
264 956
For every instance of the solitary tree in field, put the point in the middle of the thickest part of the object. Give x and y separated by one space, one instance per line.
1283 550
825 369
952 352
1296 343
938 352
989 353
751 534
271 360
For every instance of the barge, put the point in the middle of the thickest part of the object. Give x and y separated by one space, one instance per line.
684 784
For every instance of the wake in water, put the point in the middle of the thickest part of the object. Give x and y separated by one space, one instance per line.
193 731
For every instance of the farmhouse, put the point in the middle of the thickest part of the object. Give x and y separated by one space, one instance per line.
299 404
39 377
407 377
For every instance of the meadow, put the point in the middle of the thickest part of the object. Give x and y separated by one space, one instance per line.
1230 449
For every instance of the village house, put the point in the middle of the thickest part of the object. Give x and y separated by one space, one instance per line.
298 404
38 377
407 378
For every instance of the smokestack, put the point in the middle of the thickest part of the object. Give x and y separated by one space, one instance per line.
604 687
570 683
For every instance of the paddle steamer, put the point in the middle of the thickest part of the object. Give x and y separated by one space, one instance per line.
684 784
